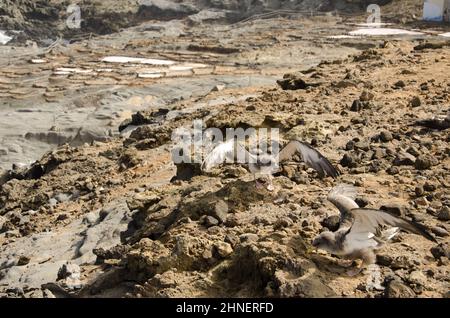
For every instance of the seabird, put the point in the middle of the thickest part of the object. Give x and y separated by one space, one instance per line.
268 164
361 231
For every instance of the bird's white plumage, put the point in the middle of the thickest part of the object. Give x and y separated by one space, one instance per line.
225 153
218 155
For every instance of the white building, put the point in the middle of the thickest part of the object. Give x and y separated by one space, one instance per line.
436 10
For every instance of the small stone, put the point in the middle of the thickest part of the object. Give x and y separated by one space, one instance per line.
423 163
283 223
331 222
379 153
231 238
362 145
366 96
215 230
23 260
439 231
90 218
396 289
349 161
400 84
384 260
223 249
350 145
404 159
386 136
62 217
209 221
415 101
69 270
356 106
220 211
441 250
429 187
362 202
232 221
419 191
444 214
218 88
393 170
417 278
248 237
422 201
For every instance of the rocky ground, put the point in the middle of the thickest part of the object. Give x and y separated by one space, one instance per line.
107 214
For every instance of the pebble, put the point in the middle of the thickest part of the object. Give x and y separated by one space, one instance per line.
404 158
349 161
23 260
223 249
283 223
386 136
400 84
69 270
422 201
429 187
220 211
423 163
350 145
415 101
231 238
441 250
419 191
356 106
439 231
366 96
362 202
362 145
396 289
444 214
209 221
248 237
417 278
331 222
379 153
393 170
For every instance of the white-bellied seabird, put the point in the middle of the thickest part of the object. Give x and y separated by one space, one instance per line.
267 164
361 231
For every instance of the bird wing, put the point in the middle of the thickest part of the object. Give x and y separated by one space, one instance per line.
225 153
343 197
369 223
310 156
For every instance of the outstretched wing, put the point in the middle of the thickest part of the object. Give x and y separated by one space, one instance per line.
310 156
225 153
370 222
343 197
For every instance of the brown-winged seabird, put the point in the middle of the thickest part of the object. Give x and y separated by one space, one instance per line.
268 164
361 231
